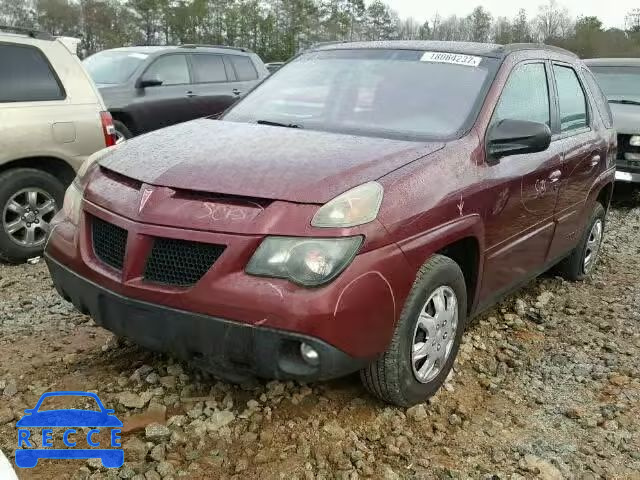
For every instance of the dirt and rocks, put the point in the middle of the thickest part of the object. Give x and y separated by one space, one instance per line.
547 385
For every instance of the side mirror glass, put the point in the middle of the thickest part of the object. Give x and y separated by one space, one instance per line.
516 137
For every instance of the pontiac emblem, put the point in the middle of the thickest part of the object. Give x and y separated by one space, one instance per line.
146 193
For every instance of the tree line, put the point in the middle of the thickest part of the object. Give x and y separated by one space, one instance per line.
278 29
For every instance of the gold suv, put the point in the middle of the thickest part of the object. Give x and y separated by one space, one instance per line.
51 119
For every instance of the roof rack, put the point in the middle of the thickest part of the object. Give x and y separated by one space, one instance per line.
196 45
30 32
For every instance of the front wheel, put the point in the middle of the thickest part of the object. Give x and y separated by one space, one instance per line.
582 259
427 337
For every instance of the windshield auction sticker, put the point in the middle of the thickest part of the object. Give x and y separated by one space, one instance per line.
455 58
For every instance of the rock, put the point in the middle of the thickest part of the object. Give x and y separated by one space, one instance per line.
455 419
152 378
417 412
158 453
126 472
165 469
219 420
521 307
544 298
174 370
334 430
168 381
11 389
135 450
389 474
6 415
242 465
574 412
131 400
544 469
69 358
156 432
152 475
139 421
94 463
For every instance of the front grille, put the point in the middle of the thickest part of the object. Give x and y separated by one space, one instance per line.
179 262
109 242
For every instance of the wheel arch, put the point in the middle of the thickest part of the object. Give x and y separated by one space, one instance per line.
52 165
126 118
462 240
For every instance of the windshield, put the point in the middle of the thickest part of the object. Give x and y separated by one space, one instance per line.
111 67
619 83
390 93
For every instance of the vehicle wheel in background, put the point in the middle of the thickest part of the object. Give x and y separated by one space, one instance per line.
29 199
427 337
122 132
582 259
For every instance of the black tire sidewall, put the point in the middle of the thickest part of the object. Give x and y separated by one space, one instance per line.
446 275
122 128
11 182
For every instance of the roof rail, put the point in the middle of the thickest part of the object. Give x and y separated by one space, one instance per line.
196 45
30 32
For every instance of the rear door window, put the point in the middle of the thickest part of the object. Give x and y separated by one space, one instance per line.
208 68
571 100
27 76
244 68
525 96
171 69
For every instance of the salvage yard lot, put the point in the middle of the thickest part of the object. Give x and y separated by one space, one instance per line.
546 385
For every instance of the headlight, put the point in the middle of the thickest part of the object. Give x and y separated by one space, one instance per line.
72 203
357 206
634 141
306 261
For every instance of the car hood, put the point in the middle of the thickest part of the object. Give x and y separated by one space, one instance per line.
260 161
626 118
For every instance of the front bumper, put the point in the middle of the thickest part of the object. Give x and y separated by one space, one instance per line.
229 349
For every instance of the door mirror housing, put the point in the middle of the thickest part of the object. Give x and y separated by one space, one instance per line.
516 137
149 82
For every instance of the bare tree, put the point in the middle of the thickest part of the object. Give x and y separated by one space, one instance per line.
553 21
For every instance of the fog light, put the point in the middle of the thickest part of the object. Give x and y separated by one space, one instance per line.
309 354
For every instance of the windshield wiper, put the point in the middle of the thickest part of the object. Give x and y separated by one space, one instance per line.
625 102
277 124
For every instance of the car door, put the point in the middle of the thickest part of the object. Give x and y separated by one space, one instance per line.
170 102
519 226
212 85
246 75
584 152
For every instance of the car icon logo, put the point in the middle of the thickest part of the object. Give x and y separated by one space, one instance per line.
27 454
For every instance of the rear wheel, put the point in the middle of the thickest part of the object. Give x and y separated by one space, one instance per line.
29 199
427 337
582 259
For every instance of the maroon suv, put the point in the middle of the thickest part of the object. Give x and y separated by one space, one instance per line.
351 213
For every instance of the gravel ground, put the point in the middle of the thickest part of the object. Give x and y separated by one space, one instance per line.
546 385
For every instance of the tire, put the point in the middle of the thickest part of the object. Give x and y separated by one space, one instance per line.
47 187
122 130
574 267
391 377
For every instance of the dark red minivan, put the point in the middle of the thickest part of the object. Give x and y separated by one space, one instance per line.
351 213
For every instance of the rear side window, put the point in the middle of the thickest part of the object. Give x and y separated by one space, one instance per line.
601 101
171 69
244 68
26 76
572 102
208 68
525 96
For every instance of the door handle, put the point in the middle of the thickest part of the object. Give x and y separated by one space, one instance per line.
236 92
555 176
191 94
595 160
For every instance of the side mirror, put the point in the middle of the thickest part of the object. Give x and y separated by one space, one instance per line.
148 82
515 137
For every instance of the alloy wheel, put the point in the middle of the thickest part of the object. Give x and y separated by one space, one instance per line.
434 334
26 217
593 246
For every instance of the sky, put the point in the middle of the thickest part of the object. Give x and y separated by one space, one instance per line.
611 12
